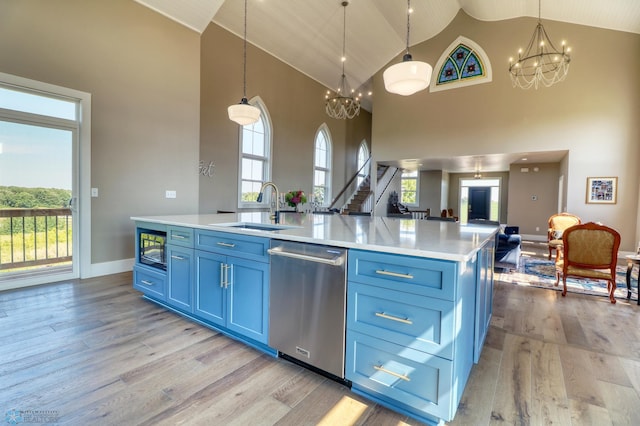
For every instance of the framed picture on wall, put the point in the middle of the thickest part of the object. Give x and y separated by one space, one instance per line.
602 190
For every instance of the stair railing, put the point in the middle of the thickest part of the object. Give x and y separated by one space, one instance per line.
384 182
350 188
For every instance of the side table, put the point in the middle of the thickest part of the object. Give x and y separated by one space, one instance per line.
633 259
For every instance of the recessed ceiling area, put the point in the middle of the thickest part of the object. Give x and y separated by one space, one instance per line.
478 163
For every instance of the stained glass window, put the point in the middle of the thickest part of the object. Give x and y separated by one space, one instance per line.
462 63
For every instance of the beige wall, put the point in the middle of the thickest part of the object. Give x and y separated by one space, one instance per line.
593 114
524 210
142 71
296 107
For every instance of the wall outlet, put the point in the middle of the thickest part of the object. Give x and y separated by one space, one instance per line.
94 192
537 229
170 194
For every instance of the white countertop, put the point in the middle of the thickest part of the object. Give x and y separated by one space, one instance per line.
423 238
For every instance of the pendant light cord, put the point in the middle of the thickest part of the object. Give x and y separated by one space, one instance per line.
408 26
244 54
344 34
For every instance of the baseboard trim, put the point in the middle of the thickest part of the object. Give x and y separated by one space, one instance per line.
530 237
108 268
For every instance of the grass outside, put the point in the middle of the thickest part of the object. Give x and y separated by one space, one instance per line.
54 243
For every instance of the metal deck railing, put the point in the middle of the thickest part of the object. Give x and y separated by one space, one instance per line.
34 237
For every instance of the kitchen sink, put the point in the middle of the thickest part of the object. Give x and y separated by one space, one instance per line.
254 226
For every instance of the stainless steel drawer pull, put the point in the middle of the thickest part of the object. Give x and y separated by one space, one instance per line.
180 237
336 261
173 256
145 282
394 374
226 244
394 274
393 318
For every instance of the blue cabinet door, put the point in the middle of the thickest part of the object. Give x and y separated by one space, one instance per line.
210 298
248 298
484 298
180 277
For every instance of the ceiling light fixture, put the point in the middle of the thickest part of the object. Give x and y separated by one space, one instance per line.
409 76
243 113
540 62
343 103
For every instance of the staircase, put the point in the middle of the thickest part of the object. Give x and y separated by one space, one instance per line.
360 202
360 197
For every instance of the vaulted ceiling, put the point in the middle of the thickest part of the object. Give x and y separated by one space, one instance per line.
307 34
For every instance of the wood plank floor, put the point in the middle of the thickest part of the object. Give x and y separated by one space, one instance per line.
93 352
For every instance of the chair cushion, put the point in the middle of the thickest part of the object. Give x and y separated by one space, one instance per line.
604 274
555 243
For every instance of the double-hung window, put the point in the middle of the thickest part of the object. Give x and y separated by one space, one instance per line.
409 188
255 158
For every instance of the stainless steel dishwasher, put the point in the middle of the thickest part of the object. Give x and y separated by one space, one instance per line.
308 304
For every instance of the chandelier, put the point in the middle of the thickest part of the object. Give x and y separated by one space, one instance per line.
343 103
409 76
540 62
244 113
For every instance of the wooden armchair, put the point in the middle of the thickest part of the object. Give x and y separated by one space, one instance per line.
589 251
557 224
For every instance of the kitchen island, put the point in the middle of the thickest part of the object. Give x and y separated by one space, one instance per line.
419 294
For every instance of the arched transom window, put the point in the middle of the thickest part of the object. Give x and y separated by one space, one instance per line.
463 63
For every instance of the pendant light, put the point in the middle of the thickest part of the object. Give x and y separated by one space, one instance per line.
343 103
409 76
541 62
243 113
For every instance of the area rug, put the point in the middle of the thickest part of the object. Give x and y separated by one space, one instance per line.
537 272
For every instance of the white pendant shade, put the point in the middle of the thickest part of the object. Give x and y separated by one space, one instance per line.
244 114
407 77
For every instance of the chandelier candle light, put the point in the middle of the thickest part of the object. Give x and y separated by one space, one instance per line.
343 103
540 62
409 76
243 113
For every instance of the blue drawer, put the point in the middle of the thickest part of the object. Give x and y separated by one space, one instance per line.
414 380
248 247
426 277
417 322
149 282
180 236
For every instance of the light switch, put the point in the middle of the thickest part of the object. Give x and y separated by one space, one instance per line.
94 192
170 194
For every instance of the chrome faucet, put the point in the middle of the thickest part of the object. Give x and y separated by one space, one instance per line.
276 215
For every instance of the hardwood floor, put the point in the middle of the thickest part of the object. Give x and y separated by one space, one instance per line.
93 352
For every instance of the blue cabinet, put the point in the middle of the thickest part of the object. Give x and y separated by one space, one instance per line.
484 297
210 303
232 282
218 278
149 281
233 292
180 277
411 331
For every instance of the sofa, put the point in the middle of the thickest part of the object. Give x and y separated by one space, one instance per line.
508 244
